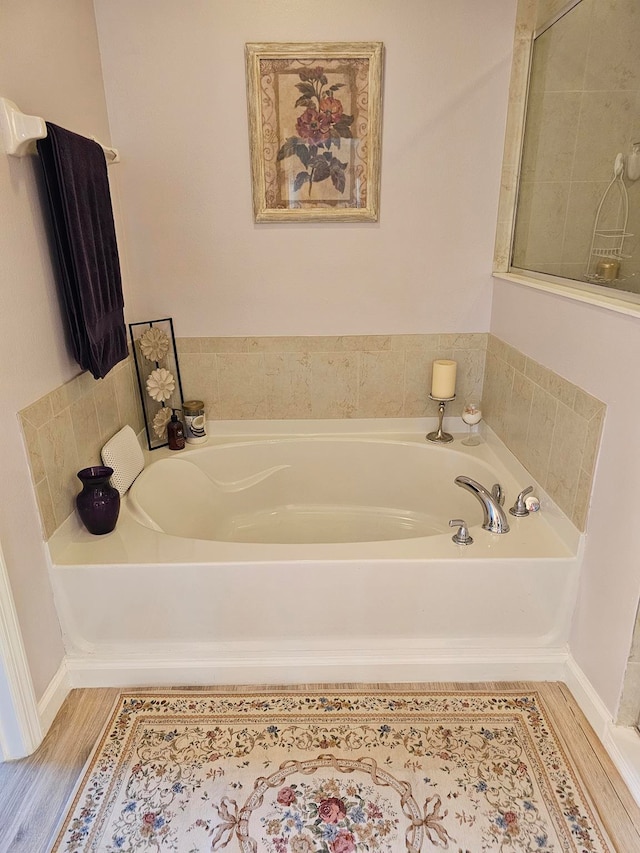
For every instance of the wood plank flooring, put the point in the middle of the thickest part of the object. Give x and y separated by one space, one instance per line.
34 791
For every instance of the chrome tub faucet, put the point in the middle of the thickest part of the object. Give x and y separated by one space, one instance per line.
495 520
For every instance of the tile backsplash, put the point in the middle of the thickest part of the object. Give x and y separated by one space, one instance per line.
352 376
65 430
551 426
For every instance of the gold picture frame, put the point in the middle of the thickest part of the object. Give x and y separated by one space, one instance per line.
315 128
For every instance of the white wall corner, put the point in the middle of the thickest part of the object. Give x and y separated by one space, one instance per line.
51 701
20 726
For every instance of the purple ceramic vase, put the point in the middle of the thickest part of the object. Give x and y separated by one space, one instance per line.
98 503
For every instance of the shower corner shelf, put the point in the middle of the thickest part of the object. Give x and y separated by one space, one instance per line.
18 132
609 242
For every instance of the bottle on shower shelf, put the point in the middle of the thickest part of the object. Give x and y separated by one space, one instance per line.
472 415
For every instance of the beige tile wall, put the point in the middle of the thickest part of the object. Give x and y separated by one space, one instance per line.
552 426
65 430
357 376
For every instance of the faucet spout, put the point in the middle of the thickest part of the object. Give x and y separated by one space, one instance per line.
495 519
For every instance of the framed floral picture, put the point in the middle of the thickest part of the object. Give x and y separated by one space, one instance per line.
156 360
315 126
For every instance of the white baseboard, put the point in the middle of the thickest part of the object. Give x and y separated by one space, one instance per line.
317 666
53 697
590 703
622 743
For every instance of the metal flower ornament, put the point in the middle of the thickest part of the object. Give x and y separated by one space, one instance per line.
320 130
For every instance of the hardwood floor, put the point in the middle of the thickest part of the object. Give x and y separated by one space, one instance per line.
34 791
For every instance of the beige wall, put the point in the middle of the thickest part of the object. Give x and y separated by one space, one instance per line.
175 85
50 66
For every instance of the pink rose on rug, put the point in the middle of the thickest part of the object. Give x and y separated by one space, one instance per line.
286 796
512 823
149 818
332 810
344 842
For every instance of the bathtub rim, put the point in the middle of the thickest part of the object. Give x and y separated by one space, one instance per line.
68 545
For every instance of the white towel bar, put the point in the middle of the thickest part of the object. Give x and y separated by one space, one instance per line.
18 131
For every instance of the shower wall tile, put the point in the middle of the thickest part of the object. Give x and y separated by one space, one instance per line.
546 9
551 425
552 127
65 430
612 113
564 49
538 240
613 56
584 198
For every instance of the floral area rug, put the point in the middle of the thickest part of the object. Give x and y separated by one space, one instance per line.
344 771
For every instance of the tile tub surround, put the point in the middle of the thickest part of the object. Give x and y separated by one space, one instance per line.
353 376
550 425
65 430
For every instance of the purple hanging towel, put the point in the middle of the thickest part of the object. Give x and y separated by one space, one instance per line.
75 174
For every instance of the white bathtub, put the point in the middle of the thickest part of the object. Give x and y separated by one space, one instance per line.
325 556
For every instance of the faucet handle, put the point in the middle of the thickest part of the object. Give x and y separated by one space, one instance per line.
519 508
497 492
462 537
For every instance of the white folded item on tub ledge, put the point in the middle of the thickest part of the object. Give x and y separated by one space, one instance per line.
123 453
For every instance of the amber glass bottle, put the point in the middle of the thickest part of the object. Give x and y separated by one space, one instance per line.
175 433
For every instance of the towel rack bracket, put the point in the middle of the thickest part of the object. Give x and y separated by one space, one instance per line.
18 132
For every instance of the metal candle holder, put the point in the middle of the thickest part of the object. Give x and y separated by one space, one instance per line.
439 435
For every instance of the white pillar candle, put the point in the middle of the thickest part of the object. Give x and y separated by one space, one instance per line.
443 379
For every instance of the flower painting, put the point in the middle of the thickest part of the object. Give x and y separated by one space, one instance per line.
319 129
315 127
